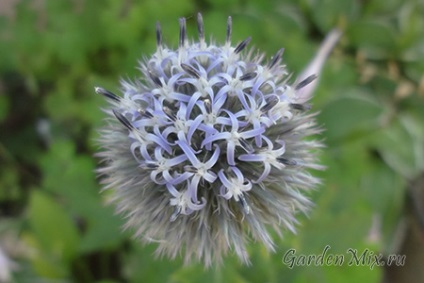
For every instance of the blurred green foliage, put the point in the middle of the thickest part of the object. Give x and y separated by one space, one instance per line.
53 53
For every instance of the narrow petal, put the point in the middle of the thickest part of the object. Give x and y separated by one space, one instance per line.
181 178
252 133
189 153
176 160
251 157
231 148
194 98
238 173
227 195
265 173
218 102
193 186
210 176
161 141
143 150
224 180
172 190
156 175
216 137
234 121
196 207
214 158
194 126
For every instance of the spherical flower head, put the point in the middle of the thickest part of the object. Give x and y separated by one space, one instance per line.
207 150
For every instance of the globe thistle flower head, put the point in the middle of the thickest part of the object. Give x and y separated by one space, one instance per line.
207 150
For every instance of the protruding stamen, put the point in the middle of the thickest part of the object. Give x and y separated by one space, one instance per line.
200 27
158 35
285 161
305 82
190 70
208 105
145 113
124 121
276 58
183 31
155 79
169 113
177 212
244 204
245 145
190 169
149 166
149 115
107 94
301 107
242 45
247 76
271 101
229 30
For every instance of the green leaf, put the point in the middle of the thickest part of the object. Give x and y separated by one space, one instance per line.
72 177
351 115
328 14
103 230
142 265
196 273
401 146
376 39
4 106
353 274
52 227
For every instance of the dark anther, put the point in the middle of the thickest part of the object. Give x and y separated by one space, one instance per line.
158 35
285 161
208 105
145 113
276 58
301 107
177 212
141 112
242 45
155 79
271 101
200 27
244 204
247 76
190 70
169 113
305 82
190 169
123 120
182 31
150 166
107 93
229 30
245 145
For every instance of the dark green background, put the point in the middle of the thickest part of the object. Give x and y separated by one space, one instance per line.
53 220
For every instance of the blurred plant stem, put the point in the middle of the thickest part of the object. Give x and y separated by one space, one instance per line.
411 243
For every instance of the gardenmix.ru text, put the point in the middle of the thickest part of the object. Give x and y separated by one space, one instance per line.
353 257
